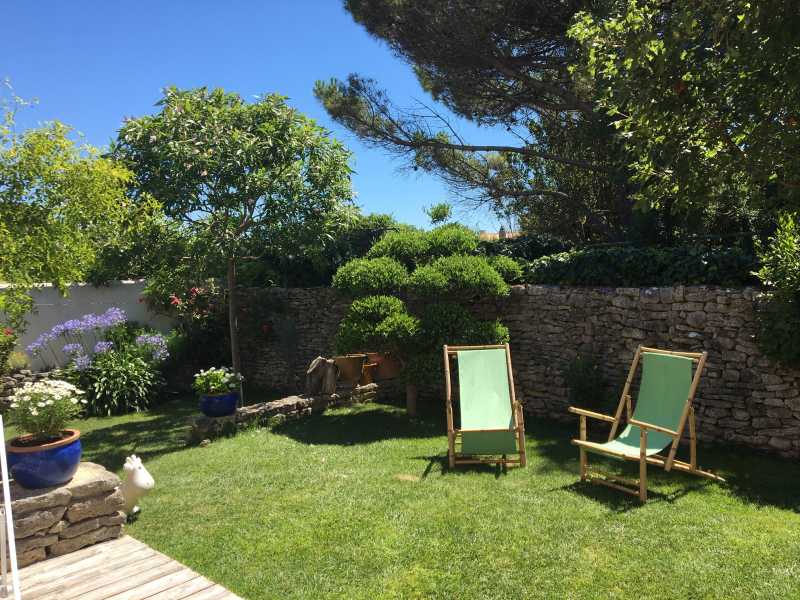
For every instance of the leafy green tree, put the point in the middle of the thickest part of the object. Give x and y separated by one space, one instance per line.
238 172
60 204
706 96
439 213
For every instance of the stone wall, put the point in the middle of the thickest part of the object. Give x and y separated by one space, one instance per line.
55 521
743 397
9 383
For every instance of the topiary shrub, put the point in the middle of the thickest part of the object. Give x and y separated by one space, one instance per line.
450 239
408 245
466 275
368 276
377 323
509 269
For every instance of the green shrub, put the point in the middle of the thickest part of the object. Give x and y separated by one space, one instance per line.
408 246
450 239
586 384
366 276
635 267
509 269
779 314
524 247
379 324
7 341
465 275
117 382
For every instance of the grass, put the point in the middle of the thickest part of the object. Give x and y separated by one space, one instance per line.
358 503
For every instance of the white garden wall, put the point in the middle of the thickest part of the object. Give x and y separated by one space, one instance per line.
82 298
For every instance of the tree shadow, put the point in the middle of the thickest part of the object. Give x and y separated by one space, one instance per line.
753 476
359 425
150 438
444 467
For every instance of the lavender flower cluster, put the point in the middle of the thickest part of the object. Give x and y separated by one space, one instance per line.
155 343
75 333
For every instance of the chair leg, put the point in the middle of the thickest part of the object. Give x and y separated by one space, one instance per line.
583 453
643 465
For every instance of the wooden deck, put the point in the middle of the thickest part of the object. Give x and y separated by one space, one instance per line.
122 569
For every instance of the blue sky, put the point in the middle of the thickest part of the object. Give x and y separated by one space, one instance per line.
92 63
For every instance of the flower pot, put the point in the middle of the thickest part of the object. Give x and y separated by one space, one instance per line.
44 465
389 367
219 405
350 367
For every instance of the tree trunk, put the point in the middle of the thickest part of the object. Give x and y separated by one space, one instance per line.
411 399
233 309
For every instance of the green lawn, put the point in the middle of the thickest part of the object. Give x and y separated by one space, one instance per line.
355 503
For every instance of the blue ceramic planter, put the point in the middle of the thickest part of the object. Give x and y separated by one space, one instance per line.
219 405
46 465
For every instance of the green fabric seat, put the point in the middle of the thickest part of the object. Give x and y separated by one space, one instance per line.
485 402
666 381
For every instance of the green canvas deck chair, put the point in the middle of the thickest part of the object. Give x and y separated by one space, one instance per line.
492 425
655 427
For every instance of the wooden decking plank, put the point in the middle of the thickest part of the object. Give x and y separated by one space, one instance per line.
92 581
113 589
74 557
99 564
161 584
185 590
217 592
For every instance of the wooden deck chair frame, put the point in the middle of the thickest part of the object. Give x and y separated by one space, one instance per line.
454 435
638 487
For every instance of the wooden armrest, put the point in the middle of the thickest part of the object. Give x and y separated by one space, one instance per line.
589 413
644 425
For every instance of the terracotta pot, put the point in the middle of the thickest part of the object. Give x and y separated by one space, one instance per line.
350 367
44 465
389 367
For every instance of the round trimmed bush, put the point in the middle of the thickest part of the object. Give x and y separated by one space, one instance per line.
509 269
409 246
367 276
376 323
468 275
451 239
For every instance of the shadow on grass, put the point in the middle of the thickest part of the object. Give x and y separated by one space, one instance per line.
444 467
163 433
359 425
752 476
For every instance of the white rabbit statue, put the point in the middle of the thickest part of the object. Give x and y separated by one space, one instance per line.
138 482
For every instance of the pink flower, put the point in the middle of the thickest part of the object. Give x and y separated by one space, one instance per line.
174 300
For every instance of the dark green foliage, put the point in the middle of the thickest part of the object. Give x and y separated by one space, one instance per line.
408 245
463 275
524 247
779 313
586 383
117 382
509 269
634 267
439 213
365 276
377 324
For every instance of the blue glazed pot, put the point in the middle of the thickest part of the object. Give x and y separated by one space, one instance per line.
219 405
46 465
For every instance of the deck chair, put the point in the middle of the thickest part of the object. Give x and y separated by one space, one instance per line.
655 427
492 425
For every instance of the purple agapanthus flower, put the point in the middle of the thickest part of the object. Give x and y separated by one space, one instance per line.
82 363
156 343
73 348
101 347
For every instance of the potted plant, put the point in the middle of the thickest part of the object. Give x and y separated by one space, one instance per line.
219 391
48 454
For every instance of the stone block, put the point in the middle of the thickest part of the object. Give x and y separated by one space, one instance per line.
105 504
76 529
37 521
87 539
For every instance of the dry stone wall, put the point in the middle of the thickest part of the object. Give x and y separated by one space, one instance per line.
55 521
744 397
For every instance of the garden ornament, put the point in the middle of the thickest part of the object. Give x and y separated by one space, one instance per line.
138 482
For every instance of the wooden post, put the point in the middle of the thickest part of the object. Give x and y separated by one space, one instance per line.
692 440
625 392
642 464
451 435
685 414
516 410
582 450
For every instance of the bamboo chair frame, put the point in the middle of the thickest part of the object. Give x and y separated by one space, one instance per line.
638 487
454 435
